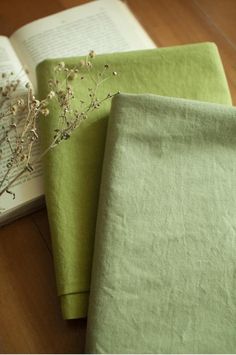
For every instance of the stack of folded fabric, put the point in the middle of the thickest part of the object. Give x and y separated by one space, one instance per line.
164 265
167 178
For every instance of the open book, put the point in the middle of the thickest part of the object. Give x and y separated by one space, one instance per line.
103 25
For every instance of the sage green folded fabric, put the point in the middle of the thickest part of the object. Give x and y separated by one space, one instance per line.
164 266
72 171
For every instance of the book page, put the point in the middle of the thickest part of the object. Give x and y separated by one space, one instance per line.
103 26
30 185
9 62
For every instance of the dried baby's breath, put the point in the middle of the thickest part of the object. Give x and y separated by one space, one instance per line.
20 113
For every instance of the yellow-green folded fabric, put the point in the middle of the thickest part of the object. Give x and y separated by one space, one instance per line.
72 170
164 265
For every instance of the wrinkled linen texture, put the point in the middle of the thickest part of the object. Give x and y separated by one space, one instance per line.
72 170
164 266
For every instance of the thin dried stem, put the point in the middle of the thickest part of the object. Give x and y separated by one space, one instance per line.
22 137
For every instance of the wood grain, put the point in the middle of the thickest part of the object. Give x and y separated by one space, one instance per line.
222 14
30 319
173 22
14 14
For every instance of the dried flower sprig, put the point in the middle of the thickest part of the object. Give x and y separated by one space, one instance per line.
21 114
19 135
71 117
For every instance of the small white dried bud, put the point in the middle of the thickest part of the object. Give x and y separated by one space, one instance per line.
61 65
36 103
20 102
92 54
23 157
69 89
45 111
13 110
51 95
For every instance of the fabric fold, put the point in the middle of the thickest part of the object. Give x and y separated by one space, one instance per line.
72 170
163 277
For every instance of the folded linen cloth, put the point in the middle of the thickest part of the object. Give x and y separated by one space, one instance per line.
72 170
164 264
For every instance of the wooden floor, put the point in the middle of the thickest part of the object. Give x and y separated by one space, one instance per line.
30 320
